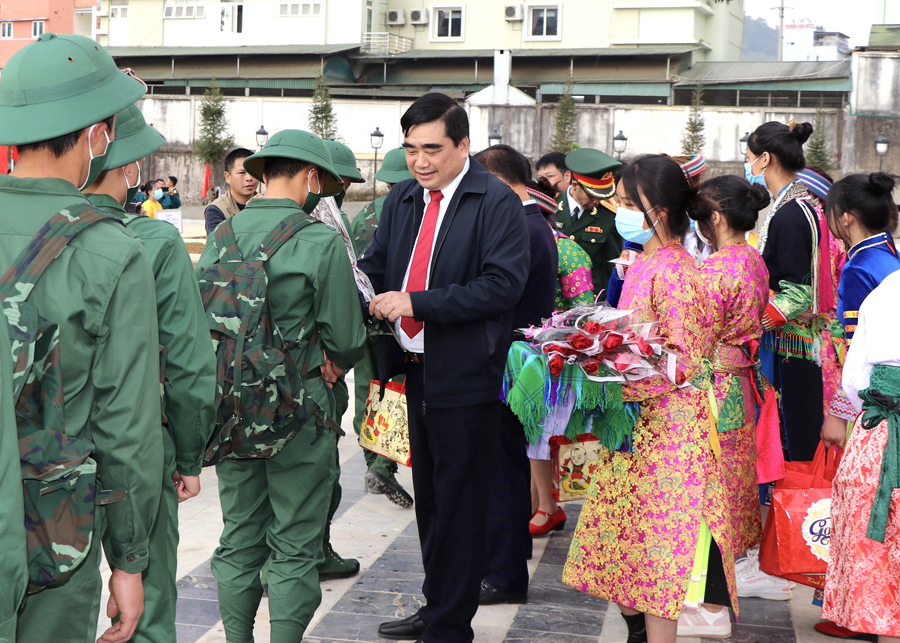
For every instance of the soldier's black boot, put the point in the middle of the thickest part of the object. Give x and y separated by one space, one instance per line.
637 628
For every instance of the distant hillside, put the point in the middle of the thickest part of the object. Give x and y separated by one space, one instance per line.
760 40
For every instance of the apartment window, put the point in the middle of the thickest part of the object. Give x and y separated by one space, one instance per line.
543 22
37 28
301 8
118 9
6 29
447 23
184 9
232 17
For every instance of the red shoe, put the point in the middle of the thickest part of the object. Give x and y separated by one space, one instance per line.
556 522
836 631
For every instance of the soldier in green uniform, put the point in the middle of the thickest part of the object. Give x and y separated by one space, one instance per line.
58 101
280 505
190 363
13 568
381 474
587 211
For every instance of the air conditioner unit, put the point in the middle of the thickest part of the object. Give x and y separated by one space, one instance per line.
513 13
418 17
396 17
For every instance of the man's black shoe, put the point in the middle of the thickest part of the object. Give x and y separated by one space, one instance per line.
379 483
492 596
407 629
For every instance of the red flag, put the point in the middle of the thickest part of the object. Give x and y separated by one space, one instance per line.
207 179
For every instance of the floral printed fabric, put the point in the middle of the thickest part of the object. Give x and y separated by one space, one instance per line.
638 531
575 286
862 586
737 282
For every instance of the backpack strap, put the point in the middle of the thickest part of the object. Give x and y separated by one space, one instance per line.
20 278
226 243
286 229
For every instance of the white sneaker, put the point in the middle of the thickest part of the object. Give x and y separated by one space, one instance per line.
754 583
702 622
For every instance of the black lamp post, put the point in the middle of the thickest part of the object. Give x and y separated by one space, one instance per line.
620 142
495 138
742 144
261 136
882 145
377 141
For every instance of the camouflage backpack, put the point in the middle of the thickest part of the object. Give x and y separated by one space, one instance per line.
259 395
58 473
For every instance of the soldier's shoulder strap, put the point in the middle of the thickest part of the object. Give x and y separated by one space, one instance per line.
225 243
19 279
286 229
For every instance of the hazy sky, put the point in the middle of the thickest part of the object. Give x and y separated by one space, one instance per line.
830 14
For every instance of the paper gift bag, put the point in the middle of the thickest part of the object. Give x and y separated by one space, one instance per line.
385 430
574 464
798 531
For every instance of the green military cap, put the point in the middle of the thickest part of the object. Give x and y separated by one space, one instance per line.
344 161
394 168
593 169
299 145
135 139
58 85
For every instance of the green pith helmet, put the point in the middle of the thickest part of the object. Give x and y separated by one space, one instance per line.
394 168
58 85
299 145
134 139
344 161
593 169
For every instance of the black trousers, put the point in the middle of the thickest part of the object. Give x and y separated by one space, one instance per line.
800 383
509 508
451 460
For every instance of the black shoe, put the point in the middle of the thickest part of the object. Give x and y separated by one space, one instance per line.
407 629
637 628
492 596
379 483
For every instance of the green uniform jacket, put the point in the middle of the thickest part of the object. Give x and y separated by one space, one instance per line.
363 227
13 562
596 233
100 293
190 389
310 279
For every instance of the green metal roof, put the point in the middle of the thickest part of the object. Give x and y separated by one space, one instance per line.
744 73
611 89
253 83
538 51
260 50
884 36
836 85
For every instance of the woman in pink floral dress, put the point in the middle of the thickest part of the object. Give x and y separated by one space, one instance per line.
738 284
638 533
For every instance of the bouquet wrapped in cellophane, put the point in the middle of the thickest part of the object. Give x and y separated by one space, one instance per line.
570 374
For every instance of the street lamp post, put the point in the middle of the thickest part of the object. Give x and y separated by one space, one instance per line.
620 142
495 138
882 145
742 144
262 136
377 141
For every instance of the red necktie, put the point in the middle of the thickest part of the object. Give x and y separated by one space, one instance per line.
418 269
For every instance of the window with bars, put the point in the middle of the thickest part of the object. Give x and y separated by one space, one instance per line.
448 23
544 22
184 9
301 8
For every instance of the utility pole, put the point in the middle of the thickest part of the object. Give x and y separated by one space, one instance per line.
780 9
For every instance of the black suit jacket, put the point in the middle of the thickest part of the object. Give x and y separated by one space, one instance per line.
478 272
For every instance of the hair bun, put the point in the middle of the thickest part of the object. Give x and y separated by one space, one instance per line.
759 197
802 132
881 183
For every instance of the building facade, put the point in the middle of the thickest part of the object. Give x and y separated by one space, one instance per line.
805 42
22 21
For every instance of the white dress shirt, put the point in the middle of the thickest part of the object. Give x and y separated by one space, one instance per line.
875 340
574 208
417 344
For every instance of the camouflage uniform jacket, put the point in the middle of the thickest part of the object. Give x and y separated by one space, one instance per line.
310 279
100 293
363 226
190 361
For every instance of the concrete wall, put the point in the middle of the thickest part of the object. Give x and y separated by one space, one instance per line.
649 128
876 83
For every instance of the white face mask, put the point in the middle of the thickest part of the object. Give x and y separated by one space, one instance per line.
701 237
90 179
127 183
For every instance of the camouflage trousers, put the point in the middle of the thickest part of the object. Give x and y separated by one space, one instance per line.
276 507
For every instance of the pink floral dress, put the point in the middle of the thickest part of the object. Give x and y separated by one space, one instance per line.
637 533
738 284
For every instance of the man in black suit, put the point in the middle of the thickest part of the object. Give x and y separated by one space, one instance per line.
449 260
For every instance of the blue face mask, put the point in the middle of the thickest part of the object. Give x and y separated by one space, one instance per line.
748 173
630 224
158 194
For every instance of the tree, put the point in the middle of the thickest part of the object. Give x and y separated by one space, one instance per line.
322 119
694 140
817 149
564 134
214 142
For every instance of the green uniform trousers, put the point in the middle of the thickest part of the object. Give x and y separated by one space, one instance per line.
277 506
364 371
67 613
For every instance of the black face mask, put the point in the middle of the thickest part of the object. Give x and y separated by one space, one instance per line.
339 197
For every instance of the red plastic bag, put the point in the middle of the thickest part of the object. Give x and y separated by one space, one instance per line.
798 531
